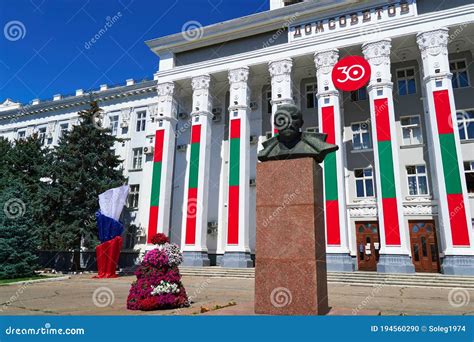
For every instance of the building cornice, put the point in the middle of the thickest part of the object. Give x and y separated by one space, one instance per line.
257 23
77 101
393 29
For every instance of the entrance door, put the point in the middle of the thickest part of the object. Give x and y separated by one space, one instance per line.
368 245
424 247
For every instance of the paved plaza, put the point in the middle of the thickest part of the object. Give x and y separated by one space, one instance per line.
83 295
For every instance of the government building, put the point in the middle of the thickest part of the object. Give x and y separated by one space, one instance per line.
399 192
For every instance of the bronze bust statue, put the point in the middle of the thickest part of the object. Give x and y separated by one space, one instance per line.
291 143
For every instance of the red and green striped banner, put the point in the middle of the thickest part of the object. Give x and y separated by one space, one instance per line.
333 229
156 184
234 180
451 172
193 185
387 176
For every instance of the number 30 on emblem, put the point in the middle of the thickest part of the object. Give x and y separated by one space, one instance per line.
351 73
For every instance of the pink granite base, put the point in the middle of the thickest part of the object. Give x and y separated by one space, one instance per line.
290 270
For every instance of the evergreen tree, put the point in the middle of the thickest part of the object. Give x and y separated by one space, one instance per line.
5 174
85 165
18 240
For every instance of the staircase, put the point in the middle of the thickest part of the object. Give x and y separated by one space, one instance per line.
431 280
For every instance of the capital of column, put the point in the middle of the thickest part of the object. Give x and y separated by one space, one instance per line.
166 107
325 61
433 46
202 104
239 89
377 53
280 68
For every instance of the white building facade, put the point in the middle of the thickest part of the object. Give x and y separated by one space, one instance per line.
399 193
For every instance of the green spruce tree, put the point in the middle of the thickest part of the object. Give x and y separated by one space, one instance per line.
85 165
18 238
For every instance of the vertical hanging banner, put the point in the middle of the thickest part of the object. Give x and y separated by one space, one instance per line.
155 184
234 182
193 185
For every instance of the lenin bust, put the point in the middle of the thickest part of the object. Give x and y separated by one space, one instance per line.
291 142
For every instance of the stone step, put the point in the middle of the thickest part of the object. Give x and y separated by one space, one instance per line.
349 278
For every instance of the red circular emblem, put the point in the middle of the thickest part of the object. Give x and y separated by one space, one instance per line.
351 73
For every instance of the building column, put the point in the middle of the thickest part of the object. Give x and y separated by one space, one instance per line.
194 237
282 90
163 128
329 118
445 152
237 250
394 251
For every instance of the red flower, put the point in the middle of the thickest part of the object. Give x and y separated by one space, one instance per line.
159 239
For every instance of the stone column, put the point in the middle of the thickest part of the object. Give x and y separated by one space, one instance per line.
237 250
445 152
330 122
282 91
162 131
394 251
194 237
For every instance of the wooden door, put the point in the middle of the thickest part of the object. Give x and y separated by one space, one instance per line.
424 246
368 245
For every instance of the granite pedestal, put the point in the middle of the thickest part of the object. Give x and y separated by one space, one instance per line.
290 270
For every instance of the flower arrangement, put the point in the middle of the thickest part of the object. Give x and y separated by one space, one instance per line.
159 239
158 284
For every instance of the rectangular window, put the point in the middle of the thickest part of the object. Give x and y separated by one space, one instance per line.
469 172
114 122
63 128
406 81
133 196
137 158
359 95
311 92
141 121
269 101
42 135
465 124
361 139
411 130
460 76
417 180
21 135
364 182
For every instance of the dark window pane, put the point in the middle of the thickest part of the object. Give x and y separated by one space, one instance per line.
410 72
310 100
461 65
363 93
369 187
454 81
470 182
434 253
424 250
470 130
360 188
462 135
401 73
402 88
411 87
416 252
463 82
359 173
353 96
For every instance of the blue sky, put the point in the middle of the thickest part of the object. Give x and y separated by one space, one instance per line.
43 42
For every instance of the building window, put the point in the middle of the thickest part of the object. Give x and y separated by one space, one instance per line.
311 92
364 182
361 136
466 124
406 81
469 172
359 95
137 158
133 196
63 128
42 135
21 135
417 180
411 130
114 122
269 101
459 70
141 121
